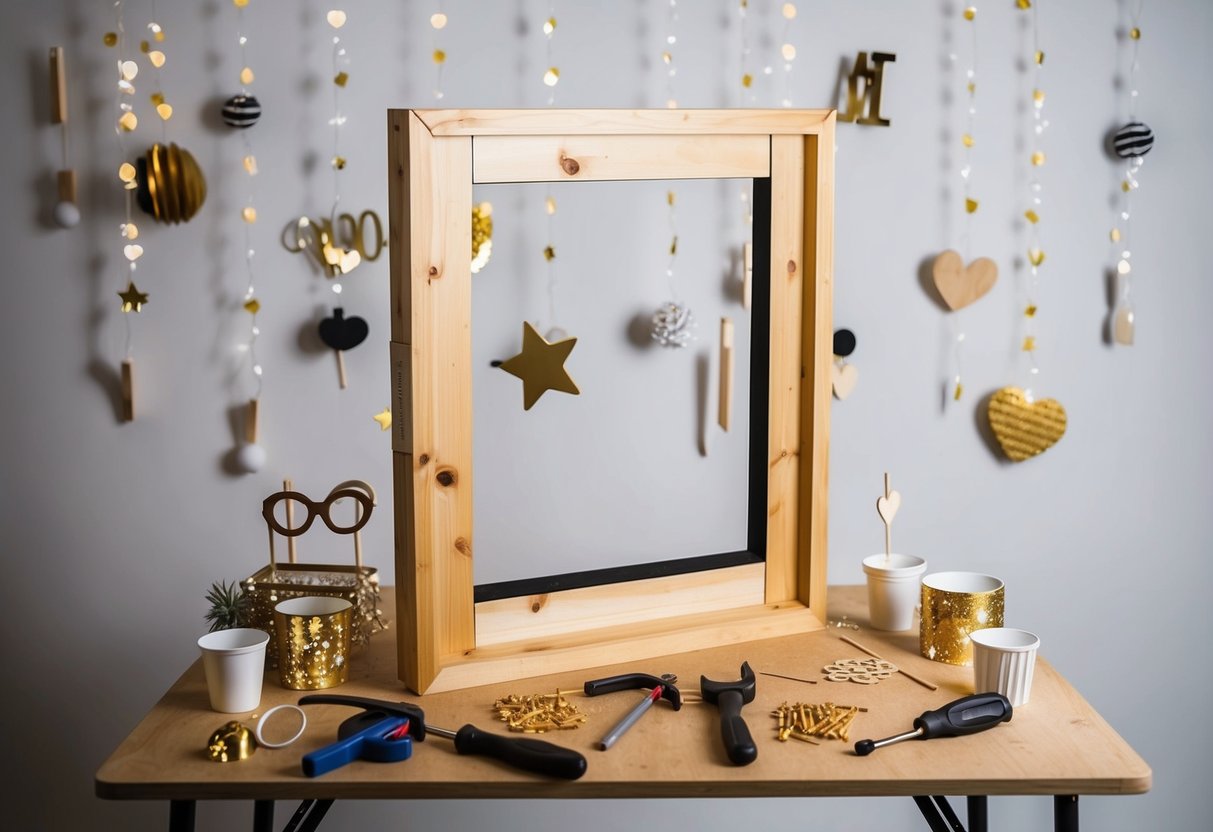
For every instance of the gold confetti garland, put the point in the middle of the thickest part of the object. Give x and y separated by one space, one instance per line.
153 51
250 455
959 280
132 299
1131 143
1023 426
747 76
746 96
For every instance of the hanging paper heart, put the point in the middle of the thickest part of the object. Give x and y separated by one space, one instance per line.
844 378
958 284
342 333
1023 428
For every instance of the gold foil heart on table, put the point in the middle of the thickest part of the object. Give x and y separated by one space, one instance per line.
1025 429
960 285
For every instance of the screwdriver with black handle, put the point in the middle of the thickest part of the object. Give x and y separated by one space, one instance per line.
523 753
967 715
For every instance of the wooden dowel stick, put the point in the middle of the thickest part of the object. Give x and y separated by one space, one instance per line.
888 526
58 86
252 422
340 368
907 673
725 415
290 521
128 391
358 538
67 186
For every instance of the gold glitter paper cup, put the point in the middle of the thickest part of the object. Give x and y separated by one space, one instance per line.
313 638
954 604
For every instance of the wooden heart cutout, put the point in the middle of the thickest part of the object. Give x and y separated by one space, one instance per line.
887 507
844 378
958 284
1025 429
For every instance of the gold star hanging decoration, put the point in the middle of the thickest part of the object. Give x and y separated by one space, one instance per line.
384 418
132 298
540 365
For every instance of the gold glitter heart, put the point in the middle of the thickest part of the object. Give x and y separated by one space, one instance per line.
1025 429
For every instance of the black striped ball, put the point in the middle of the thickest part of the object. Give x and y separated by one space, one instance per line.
241 111
1134 139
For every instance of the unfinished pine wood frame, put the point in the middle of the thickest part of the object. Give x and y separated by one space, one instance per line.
447 640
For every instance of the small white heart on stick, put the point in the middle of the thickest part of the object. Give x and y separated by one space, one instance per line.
844 377
887 506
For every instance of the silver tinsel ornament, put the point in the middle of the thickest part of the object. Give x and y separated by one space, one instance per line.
673 325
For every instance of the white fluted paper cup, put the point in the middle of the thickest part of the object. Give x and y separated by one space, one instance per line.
1004 661
893 588
234 662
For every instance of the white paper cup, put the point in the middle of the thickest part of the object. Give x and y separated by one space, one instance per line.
1004 660
234 661
893 582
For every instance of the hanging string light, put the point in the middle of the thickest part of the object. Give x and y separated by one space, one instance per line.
132 299
745 91
1036 160
438 22
251 455
1131 143
551 77
787 51
153 50
745 96
959 279
673 322
1024 424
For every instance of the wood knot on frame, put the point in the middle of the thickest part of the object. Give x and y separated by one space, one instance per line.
791 267
463 547
569 165
423 459
447 477
433 271
539 602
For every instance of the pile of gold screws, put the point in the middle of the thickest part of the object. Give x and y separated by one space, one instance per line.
538 712
804 721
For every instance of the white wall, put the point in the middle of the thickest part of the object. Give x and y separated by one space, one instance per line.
113 532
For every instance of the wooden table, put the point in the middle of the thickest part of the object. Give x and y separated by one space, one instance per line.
1055 745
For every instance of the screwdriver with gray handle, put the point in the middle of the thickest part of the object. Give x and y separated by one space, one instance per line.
966 715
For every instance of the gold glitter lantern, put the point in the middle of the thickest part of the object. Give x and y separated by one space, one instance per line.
313 636
955 604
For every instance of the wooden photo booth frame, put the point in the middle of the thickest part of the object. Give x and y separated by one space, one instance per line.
447 640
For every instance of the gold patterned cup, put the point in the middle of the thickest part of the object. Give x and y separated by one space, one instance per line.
955 604
313 638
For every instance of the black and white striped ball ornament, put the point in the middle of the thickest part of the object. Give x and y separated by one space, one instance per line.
1134 139
241 111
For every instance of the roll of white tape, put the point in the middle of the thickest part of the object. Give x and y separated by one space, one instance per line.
262 741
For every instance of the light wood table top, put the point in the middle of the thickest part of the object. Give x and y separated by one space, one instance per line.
1057 744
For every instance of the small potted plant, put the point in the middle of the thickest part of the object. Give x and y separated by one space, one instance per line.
229 606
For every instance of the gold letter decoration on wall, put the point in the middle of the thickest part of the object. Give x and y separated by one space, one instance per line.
873 81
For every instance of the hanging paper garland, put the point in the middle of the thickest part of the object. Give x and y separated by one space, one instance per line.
438 21
959 284
745 96
132 299
242 111
1023 425
66 212
1131 143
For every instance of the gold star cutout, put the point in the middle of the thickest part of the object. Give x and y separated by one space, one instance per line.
384 418
540 365
132 298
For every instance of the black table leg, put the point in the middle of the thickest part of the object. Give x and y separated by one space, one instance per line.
263 816
1065 813
978 818
308 816
931 814
181 815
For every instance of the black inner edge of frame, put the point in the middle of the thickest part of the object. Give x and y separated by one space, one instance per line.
756 515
